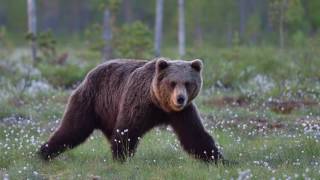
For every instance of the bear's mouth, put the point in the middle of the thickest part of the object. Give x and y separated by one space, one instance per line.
178 107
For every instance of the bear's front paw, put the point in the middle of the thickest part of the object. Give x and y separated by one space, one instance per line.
44 152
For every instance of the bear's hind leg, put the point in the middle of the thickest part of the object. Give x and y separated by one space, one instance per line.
64 138
74 129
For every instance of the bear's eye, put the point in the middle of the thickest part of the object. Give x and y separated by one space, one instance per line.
172 84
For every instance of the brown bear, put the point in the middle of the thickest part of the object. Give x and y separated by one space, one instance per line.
126 98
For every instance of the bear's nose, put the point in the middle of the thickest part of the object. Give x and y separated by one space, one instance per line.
180 99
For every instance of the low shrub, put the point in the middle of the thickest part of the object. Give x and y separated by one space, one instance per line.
63 75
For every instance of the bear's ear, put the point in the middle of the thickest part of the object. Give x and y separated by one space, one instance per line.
162 64
196 64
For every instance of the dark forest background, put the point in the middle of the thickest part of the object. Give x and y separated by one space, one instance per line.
213 22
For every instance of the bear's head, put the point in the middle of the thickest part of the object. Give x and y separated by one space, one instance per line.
176 83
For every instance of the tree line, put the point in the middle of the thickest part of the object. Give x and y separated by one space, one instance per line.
197 23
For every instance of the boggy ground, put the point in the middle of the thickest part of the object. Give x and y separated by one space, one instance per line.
268 121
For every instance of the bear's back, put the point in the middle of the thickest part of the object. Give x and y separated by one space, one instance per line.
113 73
107 82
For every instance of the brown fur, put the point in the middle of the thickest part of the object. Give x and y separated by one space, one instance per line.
125 99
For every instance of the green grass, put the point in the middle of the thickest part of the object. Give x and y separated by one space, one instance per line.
264 143
159 156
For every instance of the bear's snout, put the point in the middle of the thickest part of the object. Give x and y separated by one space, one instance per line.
179 102
180 99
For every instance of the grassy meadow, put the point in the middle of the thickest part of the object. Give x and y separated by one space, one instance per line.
261 105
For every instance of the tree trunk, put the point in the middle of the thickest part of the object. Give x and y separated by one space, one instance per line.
182 30
264 12
229 34
32 27
283 8
158 27
2 15
128 15
198 34
281 33
107 35
243 17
